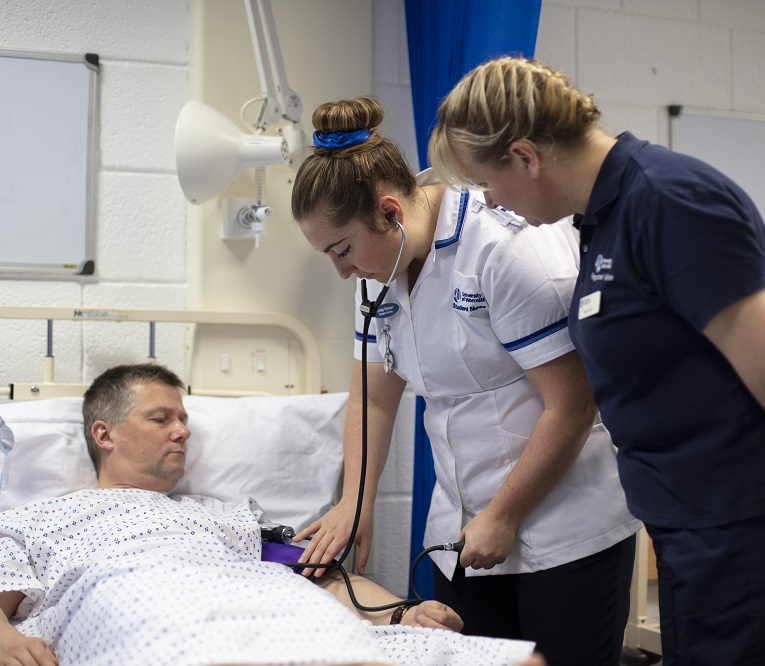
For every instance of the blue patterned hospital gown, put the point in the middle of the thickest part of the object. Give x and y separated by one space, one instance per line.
124 576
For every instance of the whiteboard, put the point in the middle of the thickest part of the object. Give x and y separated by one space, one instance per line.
733 143
48 105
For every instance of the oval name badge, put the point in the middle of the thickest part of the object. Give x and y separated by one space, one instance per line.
386 310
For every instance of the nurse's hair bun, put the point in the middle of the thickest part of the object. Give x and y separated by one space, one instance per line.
350 116
350 167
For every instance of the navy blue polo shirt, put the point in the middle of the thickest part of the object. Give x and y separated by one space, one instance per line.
667 242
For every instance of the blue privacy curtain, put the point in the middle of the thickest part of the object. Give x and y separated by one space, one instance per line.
446 39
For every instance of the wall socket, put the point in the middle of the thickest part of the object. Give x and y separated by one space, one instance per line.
247 359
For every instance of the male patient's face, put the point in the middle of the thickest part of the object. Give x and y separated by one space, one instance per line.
151 442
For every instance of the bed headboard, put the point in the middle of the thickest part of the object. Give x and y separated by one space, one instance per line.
230 353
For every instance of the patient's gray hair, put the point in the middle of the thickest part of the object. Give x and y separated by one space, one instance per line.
111 397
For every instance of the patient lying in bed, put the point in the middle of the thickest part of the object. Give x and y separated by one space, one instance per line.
124 574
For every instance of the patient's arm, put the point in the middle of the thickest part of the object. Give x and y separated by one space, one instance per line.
15 647
431 614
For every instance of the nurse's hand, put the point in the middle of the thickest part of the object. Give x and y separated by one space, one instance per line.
330 536
489 540
433 614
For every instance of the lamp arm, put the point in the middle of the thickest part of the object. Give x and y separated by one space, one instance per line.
279 101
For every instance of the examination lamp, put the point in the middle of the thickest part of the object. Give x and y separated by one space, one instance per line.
211 151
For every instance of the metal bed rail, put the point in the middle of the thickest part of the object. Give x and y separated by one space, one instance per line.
48 388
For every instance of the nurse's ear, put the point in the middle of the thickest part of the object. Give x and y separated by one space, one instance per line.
525 156
391 210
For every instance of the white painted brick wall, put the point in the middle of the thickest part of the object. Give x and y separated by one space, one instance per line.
140 218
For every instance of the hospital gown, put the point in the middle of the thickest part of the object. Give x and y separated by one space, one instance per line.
127 576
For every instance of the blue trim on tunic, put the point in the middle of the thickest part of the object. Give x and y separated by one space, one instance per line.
538 335
464 198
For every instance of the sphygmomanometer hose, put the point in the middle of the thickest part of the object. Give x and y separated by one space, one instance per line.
456 547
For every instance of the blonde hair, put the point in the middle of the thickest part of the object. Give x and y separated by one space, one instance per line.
343 183
502 101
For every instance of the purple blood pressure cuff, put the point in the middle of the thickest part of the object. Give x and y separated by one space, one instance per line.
273 551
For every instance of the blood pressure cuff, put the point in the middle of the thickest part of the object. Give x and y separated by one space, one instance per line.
273 551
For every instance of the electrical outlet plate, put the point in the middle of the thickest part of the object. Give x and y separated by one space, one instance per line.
257 361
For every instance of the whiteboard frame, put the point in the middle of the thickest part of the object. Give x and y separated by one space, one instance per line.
739 160
82 198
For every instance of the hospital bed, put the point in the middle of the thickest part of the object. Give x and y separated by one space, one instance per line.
238 447
257 444
283 450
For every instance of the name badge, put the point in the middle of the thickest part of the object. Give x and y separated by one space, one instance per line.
589 305
386 310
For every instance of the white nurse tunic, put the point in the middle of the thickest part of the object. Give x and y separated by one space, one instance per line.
491 301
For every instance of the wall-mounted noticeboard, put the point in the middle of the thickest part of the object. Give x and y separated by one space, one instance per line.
732 142
48 107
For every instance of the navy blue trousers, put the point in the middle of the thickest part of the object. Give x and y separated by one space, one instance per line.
712 594
576 613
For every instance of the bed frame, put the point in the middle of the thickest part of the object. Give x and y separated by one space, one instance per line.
225 323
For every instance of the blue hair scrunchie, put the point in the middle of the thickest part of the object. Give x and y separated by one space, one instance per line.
334 140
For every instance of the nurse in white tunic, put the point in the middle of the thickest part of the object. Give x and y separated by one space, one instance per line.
476 322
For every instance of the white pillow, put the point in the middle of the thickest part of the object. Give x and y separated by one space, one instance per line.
285 451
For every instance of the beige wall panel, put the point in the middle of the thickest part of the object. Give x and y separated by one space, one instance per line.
327 49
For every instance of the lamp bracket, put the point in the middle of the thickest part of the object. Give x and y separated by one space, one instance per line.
279 101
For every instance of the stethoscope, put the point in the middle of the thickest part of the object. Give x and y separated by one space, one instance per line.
369 310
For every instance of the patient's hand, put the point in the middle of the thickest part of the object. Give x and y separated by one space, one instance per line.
330 536
433 614
16 648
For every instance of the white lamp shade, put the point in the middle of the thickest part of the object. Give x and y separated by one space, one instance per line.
211 151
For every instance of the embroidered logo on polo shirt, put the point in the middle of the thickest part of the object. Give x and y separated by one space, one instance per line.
468 302
602 264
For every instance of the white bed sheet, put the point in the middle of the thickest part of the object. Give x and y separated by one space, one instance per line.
128 577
